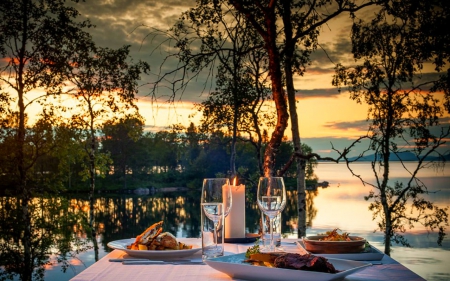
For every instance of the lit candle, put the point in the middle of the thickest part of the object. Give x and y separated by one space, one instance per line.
235 221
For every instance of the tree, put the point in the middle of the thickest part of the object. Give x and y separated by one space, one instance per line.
164 150
120 140
239 106
404 113
68 154
296 24
208 35
103 85
191 141
35 38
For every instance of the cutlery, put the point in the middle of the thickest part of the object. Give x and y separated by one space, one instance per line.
148 261
143 259
121 260
151 262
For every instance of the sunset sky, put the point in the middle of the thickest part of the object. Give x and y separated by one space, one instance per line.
325 114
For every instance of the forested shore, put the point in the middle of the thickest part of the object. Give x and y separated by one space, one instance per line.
134 159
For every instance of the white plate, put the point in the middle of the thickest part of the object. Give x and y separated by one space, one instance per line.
373 254
165 254
234 266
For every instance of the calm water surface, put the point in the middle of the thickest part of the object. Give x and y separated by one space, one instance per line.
341 205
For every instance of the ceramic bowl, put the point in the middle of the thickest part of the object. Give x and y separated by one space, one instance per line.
314 245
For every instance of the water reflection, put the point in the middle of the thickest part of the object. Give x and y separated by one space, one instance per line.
59 224
51 227
127 216
342 205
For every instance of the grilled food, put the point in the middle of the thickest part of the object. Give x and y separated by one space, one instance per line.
292 261
304 262
154 239
146 237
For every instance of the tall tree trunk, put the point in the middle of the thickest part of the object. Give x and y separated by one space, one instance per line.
384 200
24 190
92 173
278 93
388 234
269 36
300 163
258 154
386 142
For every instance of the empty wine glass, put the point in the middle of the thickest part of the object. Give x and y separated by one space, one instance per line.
217 190
216 194
214 212
271 199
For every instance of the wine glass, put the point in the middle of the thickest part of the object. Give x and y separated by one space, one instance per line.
215 197
214 212
271 199
217 190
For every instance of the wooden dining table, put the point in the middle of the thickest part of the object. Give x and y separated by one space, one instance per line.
386 269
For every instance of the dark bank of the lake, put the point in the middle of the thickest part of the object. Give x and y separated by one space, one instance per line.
341 205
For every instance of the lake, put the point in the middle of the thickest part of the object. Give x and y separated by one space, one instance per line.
341 205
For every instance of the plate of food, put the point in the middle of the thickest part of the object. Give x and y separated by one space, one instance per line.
285 266
154 243
333 242
370 253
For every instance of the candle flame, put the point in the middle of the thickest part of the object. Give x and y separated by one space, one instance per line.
235 180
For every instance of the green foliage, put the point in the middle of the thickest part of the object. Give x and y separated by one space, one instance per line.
404 110
120 139
64 168
253 250
211 34
105 84
45 35
162 159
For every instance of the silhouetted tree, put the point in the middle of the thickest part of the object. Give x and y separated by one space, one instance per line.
296 24
103 84
36 37
404 112
120 138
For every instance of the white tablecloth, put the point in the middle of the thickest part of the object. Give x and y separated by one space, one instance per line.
389 270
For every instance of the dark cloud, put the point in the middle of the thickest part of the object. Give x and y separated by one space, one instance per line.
317 93
324 145
135 23
360 125
129 22
329 54
334 44
318 70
